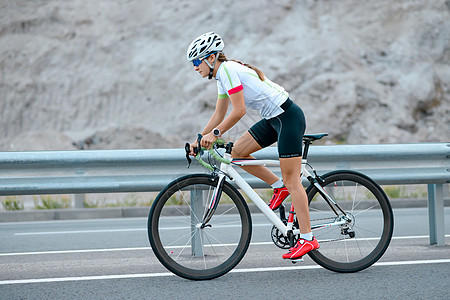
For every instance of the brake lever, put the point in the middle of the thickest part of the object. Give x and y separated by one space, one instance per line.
199 146
187 148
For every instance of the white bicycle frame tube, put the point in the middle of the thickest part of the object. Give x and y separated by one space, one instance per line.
256 199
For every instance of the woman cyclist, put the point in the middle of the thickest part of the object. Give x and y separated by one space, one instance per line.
282 121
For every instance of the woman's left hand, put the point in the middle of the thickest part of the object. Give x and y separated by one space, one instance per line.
208 140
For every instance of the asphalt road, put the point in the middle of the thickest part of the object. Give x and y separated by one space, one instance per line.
111 259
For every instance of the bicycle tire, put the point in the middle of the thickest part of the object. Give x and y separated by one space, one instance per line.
187 250
372 222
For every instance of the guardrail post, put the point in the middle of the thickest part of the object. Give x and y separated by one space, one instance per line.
79 200
196 217
436 214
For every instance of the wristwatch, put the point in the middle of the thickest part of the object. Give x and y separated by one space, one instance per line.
216 132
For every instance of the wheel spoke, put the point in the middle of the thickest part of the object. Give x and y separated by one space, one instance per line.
369 213
211 249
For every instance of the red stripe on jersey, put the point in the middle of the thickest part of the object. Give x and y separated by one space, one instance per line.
235 90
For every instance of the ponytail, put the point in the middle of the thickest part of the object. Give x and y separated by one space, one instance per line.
261 75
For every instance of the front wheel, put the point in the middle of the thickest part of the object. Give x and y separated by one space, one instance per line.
369 222
185 247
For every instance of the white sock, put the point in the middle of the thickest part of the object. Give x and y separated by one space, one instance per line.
306 236
278 184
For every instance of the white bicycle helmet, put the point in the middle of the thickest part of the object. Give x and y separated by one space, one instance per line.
204 45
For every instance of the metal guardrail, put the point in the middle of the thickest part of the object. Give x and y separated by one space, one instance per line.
112 171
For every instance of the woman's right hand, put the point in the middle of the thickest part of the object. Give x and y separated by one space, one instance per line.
192 146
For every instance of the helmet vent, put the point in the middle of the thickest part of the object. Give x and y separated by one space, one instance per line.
204 45
193 53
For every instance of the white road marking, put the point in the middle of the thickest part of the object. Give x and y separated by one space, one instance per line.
74 251
105 250
248 270
149 248
115 230
79 231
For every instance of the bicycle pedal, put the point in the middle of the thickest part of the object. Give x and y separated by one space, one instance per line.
296 260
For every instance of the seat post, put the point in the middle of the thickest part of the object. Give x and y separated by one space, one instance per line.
307 142
308 139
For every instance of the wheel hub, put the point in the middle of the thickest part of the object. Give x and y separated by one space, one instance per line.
347 228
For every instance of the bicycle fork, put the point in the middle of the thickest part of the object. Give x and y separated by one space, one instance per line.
213 202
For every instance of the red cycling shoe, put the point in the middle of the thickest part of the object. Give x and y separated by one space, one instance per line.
279 194
301 248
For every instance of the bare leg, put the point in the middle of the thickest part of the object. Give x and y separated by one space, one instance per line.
291 170
245 146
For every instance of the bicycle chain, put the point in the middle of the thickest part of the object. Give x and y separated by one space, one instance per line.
328 241
283 244
330 218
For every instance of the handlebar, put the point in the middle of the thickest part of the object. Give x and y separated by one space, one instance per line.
219 143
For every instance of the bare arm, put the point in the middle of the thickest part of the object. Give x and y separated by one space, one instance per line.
238 102
216 119
218 116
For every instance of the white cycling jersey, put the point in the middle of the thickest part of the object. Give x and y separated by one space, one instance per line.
264 96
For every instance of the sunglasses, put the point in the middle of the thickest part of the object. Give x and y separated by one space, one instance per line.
197 62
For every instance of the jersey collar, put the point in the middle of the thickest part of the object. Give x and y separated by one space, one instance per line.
217 74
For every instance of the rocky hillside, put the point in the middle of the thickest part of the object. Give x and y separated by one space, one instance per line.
79 74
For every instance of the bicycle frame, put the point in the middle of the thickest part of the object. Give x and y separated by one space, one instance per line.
227 170
207 243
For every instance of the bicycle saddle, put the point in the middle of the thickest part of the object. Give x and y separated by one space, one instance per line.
313 137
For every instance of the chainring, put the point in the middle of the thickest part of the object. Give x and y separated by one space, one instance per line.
280 240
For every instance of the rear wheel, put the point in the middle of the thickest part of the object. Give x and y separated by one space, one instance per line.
182 245
369 222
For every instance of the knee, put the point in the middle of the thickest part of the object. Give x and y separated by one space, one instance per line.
292 183
240 152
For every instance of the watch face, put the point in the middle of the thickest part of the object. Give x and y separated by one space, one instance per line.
216 132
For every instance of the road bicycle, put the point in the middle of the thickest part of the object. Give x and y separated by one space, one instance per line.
200 226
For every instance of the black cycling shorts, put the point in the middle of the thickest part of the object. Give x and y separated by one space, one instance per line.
287 129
